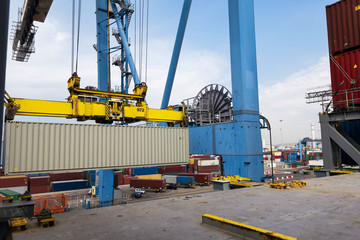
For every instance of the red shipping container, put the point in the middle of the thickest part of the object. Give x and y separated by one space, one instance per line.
346 64
343 23
203 157
39 189
13 181
172 169
157 184
118 178
127 179
305 163
127 171
200 178
66 176
39 181
209 168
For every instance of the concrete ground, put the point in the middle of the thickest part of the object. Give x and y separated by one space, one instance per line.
327 208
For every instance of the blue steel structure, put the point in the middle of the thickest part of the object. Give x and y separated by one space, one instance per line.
176 53
238 142
106 189
122 14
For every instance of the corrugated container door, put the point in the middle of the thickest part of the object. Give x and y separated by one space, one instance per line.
47 147
343 22
345 68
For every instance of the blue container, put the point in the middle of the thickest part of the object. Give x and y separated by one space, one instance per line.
69 185
37 174
92 177
185 180
145 171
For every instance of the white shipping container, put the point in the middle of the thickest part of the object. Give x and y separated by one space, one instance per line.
45 147
170 179
204 163
316 163
269 164
20 189
277 153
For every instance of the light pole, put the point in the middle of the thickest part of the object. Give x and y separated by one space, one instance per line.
281 132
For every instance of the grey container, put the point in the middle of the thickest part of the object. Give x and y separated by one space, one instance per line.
45 147
170 179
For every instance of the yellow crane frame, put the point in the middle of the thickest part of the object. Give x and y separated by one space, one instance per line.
91 104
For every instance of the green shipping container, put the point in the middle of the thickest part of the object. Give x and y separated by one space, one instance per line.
9 193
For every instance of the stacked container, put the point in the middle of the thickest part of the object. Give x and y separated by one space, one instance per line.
39 184
343 23
68 181
17 183
205 163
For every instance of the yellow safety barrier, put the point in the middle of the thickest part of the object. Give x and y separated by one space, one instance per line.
241 229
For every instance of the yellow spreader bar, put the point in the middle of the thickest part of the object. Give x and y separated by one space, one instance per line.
242 229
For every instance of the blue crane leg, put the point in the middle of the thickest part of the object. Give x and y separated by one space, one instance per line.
238 142
104 83
176 53
126 46
243 60
246 137
106 187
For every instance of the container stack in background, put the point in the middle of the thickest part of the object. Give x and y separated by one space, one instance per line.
68 181
39 184
17 183
343 23
205 164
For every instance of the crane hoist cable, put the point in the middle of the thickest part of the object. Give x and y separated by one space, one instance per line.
77 38
135 16
72 37
147 40
141 36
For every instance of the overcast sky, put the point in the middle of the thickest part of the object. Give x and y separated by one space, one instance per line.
292 56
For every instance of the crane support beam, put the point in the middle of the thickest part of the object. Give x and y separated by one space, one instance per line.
95 111
176 53
125 44
103 56
4 19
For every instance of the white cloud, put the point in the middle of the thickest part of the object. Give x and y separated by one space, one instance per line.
285 100
196 69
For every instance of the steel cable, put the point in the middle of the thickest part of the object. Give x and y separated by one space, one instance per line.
147 41
78 36
73 37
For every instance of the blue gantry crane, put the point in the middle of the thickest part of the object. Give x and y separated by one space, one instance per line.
231 127
221 123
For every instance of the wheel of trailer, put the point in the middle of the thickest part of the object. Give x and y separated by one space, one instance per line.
175 187
22 228
51 223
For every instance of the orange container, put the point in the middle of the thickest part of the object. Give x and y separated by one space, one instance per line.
57 203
